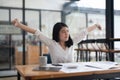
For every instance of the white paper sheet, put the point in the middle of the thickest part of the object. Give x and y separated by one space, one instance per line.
81 66
101 65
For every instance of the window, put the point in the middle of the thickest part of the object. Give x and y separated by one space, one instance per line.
117 28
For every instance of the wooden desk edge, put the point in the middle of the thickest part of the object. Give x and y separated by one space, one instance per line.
65 75
59 74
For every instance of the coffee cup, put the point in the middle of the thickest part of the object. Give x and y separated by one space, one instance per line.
43 61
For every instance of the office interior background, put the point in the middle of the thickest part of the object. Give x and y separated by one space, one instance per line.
43 14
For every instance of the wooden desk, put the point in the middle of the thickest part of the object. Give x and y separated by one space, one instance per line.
26 72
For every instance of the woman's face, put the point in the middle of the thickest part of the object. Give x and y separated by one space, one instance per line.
64 34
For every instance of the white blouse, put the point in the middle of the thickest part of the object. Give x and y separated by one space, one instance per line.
57 53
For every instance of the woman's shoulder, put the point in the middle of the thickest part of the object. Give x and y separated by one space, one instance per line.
53 42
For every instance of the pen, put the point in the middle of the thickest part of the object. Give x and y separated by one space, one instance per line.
93 66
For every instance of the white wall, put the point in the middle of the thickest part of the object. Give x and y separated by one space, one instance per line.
37 4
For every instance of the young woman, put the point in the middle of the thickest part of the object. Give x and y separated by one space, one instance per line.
61 46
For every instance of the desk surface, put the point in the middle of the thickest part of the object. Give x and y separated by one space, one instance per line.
26 71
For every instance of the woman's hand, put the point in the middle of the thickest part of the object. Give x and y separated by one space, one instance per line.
15 22
98 26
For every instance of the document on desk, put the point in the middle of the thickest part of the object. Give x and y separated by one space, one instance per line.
87 66
101 65
76 67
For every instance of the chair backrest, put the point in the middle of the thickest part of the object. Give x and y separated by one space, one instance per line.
48 58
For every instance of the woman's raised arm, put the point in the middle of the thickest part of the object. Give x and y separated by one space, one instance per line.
79 37
22 26
93 27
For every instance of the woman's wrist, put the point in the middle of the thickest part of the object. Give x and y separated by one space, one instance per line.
19 24
96 25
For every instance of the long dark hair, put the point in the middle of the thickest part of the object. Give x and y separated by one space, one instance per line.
56 29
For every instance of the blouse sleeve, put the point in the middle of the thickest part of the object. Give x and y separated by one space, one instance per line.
40 36
79 37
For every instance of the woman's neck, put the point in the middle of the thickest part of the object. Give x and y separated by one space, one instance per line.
62 44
